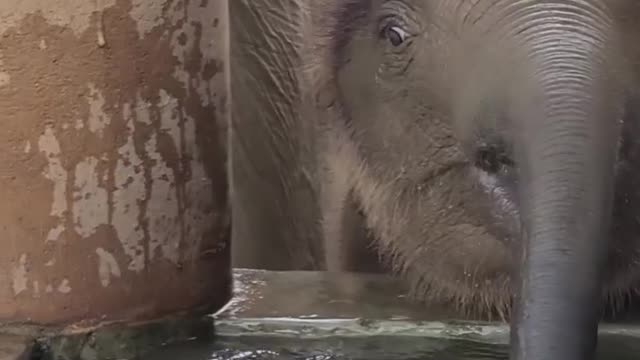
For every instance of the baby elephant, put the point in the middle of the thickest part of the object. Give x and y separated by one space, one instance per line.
488 148
492 149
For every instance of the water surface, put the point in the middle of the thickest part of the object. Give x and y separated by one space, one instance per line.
323 316
365 348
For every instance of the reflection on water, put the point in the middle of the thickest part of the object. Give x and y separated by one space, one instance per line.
332 321
366 348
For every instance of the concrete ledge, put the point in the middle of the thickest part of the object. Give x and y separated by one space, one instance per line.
287 309
318 305
325 316
311 294
101 342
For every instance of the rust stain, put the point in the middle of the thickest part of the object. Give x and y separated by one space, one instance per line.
139 120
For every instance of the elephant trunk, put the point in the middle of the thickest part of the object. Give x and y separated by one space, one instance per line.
566 161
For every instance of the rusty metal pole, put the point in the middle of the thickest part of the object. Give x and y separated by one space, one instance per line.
112 159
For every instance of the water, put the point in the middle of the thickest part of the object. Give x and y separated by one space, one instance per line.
612 347
355 317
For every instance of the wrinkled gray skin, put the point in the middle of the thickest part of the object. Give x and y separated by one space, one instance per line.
489 145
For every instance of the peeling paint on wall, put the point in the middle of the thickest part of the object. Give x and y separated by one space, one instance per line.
107 266
20 275
69 13
90 200
129 193
162 209
142 110
197 33
161 196
198 190
49 145
98 119
118 151
148 15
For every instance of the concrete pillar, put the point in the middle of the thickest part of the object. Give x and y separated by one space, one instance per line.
112 159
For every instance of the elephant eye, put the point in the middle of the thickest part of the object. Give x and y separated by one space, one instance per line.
492 159
395 34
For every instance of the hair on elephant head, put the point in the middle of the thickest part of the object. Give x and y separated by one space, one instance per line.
491 146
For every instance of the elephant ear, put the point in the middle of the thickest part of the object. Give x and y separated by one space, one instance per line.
272 143
315 75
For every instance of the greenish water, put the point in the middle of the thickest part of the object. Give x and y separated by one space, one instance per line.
356 317
365 348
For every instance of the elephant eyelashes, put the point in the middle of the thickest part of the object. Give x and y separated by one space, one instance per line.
395 34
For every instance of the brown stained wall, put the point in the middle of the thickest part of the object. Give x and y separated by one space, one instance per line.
112 161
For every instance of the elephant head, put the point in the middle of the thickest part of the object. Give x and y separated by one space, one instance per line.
488 145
